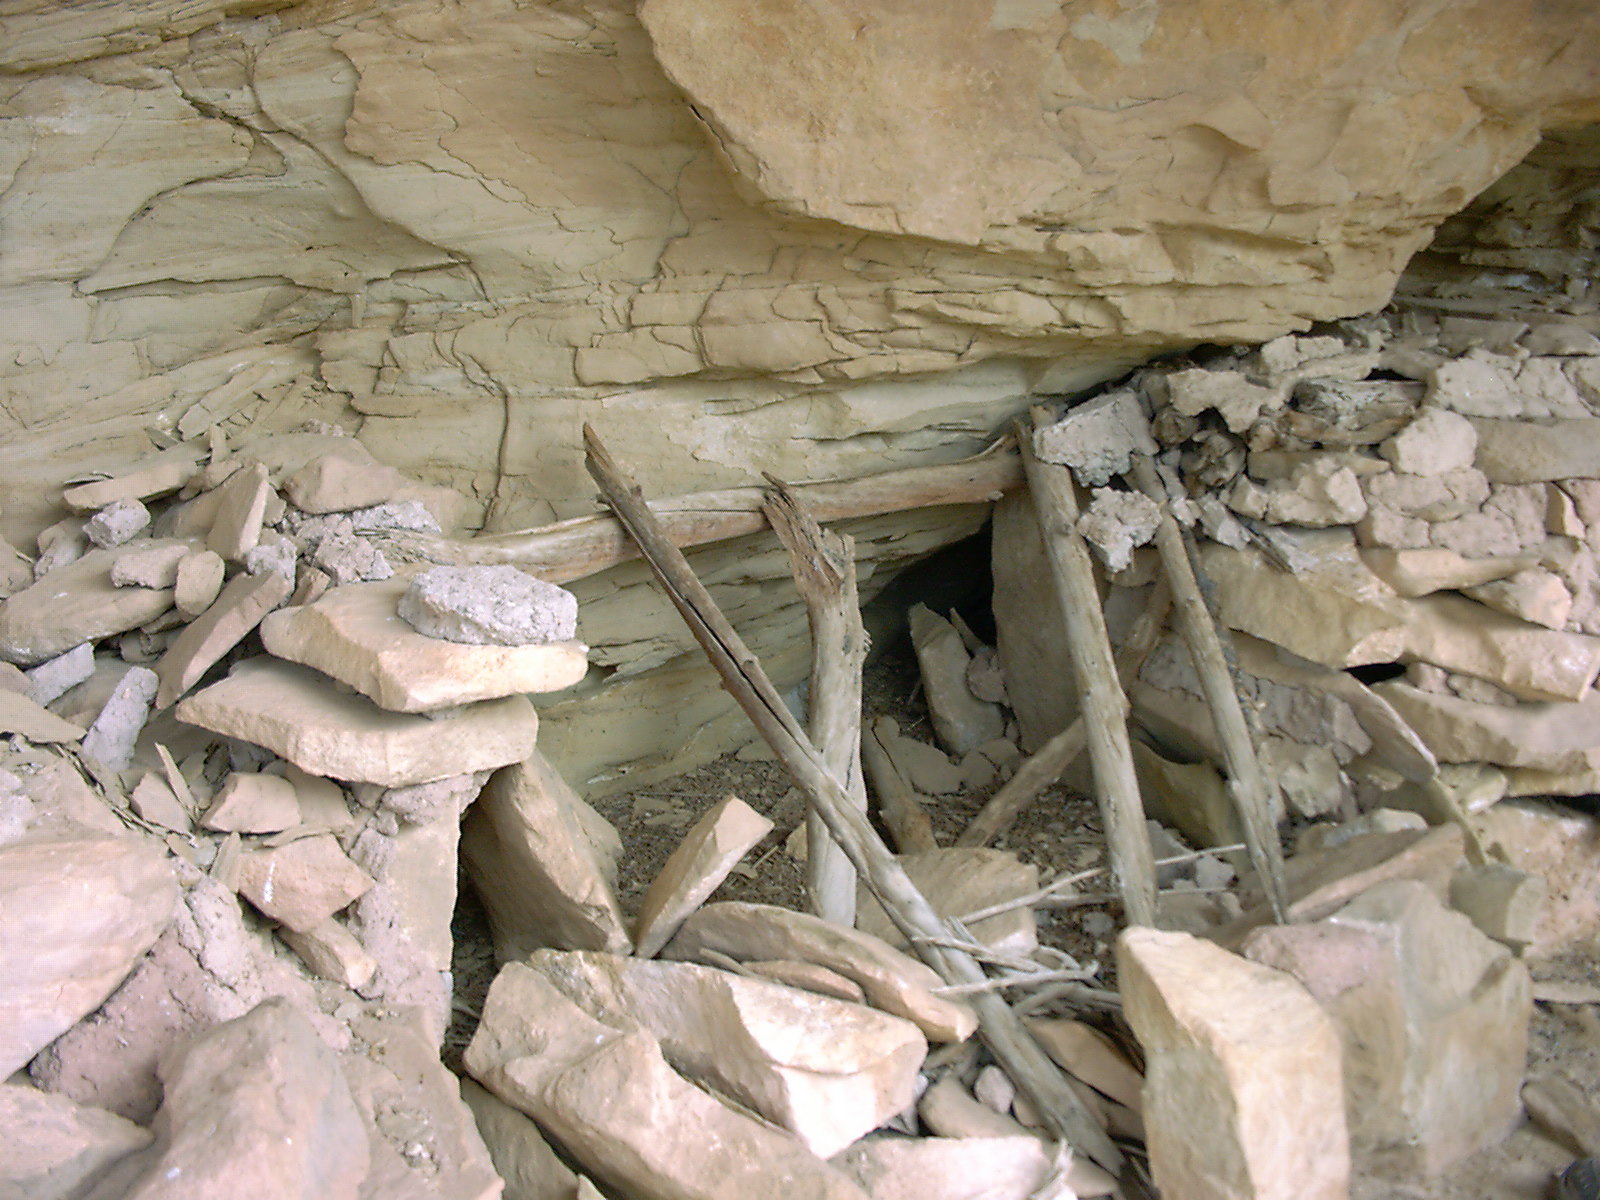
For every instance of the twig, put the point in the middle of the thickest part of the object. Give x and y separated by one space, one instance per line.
1105 708
1010 1042
1045 767
824 569
908 822
1062 882
1246 784
1001 982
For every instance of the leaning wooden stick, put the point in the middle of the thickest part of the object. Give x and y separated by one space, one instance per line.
1012 1045
1246 784
1105 708
1046 765
824 567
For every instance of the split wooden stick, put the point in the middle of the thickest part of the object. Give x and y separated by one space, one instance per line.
572 549
1012 1045
1046 765
1105 708
824 568
1246 784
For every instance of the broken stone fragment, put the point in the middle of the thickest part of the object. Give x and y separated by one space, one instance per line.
422 1137
1097 439
1551 736
198 582
337 482
544 864
949 1110
1531 663
1420 572
154 800
18 714
694 870
111 737
1116 523
965 1168
162 474
1242 1094
239 609
59 1149
1320 492
489 606
118 522
1478 384
299 715
1505 903
826 1070
1335 611
303 883
1422 1000
253 803
622 1113
1537 596
347 558
331 952
1560 845
254 1107
1239 402
961 721
892 981
958 880
521 1156
154 566
74 604
416 869
52 678
241 506
78 914
1088 1055
355 634
1436 442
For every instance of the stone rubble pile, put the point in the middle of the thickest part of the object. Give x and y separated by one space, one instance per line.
244 755
1399 517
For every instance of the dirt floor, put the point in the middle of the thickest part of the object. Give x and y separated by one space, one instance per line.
1061 833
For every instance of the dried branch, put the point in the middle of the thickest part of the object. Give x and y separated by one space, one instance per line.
1009 1041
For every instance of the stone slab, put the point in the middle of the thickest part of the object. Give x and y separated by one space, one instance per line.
300 715
71 605
695 868
355 634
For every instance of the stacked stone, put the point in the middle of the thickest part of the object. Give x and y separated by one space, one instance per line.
1410 491
314 792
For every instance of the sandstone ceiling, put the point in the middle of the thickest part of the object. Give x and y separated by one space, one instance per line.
461 228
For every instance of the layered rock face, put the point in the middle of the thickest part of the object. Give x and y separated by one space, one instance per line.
735 238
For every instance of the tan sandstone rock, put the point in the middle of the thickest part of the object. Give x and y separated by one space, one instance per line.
224 624
255 1108
958 880
827 1071
71 605
354 634
303 883
1423 1002
694 869
892 981
544 864
76 916
58 1148
522 1157
966 1168
300 715
615 1105
1242 1092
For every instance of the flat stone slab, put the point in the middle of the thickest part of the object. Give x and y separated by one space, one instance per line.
893 981
18 714
829 1071
300 715
695 869
355 634
74 604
